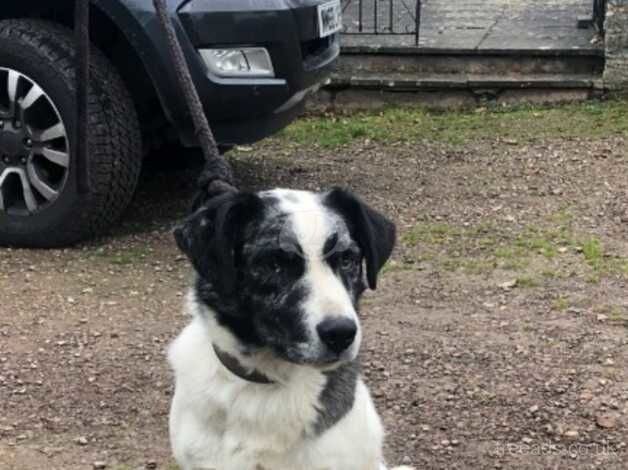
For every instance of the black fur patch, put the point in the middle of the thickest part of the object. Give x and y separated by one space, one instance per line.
264 307
373 232
338 396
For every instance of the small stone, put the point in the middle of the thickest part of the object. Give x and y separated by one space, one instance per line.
602 318
82 441
606 421
509 284
99 465
572 434
534 409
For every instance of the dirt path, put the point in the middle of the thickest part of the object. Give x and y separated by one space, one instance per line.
496 341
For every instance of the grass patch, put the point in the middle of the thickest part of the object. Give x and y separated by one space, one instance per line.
618 316
560 304
536 254
543 245
600 261
518 124
527 282
399 266
593 251
129 256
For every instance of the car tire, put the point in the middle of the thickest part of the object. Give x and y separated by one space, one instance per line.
37 56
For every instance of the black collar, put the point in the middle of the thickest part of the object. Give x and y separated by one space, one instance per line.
232 364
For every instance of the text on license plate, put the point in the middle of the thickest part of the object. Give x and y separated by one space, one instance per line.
329 18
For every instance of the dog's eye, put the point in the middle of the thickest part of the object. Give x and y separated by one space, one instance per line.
275 267
348 261
267 267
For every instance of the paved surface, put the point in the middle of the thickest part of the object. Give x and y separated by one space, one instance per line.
471 24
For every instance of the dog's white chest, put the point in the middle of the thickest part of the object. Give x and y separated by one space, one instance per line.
221 422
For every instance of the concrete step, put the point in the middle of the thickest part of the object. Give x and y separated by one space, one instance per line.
407 82
358 60
452 91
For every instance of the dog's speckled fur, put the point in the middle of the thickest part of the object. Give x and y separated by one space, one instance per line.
271 268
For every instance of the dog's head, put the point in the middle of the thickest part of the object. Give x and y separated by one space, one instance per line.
283 270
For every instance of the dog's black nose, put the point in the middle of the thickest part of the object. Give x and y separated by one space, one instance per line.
337 333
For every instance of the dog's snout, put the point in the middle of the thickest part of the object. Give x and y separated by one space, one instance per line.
337 333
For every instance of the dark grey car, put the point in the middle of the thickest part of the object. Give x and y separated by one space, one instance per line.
254 63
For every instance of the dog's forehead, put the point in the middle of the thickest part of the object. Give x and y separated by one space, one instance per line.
304 217
290 201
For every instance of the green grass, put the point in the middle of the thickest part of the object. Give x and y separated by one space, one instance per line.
527 282
517 125
130 255
602 262
543 245
560 304
617 315
593 252
535 254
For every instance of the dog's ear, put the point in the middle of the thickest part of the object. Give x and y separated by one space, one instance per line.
210 235
373 232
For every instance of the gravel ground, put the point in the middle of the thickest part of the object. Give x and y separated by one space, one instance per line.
497 339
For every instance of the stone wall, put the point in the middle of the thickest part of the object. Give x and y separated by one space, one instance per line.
616 71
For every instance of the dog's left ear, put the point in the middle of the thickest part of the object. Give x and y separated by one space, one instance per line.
209 236
373 232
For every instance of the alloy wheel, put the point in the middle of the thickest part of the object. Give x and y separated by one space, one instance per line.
34 146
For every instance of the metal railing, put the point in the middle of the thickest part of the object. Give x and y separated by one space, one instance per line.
382 17
599 14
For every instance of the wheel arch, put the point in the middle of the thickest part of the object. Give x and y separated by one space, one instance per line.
107 18
43 52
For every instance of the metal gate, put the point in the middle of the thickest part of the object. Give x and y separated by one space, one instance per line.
599 14
382 17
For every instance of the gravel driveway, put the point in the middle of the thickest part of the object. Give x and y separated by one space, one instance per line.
497 339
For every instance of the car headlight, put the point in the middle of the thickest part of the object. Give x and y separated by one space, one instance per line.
241 62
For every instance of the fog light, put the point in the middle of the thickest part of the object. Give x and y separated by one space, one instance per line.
241 62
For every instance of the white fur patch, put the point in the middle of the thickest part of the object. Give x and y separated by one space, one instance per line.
313 224
219 421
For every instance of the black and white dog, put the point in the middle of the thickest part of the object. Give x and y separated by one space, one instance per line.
267 374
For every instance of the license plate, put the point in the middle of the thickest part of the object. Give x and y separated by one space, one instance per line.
329 18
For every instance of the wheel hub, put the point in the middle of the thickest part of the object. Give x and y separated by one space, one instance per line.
13 142
34 147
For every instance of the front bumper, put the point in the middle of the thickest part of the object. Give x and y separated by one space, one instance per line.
246 110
